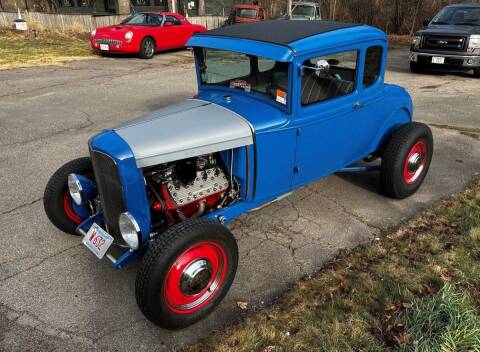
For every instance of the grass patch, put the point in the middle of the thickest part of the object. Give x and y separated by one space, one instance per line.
417 289
46 48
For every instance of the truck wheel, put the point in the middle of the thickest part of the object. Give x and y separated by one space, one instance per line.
147 48
414 67
406 160
476 73
57 201
186 273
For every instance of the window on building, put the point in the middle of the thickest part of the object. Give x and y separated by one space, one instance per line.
328 77
373 61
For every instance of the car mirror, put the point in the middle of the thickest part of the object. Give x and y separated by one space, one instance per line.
426 23
320 66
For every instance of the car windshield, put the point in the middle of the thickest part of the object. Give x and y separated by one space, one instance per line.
458 16
303 10
251 74
247 13
144 19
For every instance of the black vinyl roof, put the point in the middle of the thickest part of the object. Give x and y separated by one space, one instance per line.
280 32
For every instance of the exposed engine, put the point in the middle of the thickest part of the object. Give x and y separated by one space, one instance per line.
189 188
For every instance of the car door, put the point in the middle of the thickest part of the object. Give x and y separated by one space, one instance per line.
331 118
153 28
175 31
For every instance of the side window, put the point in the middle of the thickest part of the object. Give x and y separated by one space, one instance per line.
329 77
173 20
265 64
373 61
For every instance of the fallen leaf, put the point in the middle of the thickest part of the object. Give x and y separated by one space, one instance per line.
404 338
390 307
447 276
269 349
242 305
431 290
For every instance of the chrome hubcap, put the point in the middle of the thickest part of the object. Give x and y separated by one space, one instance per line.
414 162
195 277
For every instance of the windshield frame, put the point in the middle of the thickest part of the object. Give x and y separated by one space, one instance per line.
437 20
252 94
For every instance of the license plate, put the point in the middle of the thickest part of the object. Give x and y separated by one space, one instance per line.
438 60
104 47
97 240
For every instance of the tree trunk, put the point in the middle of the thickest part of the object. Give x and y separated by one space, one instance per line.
201 7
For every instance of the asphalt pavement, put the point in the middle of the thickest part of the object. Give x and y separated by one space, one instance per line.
54 295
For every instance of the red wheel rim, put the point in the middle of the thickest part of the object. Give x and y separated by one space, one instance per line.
415 162
68 207
195 277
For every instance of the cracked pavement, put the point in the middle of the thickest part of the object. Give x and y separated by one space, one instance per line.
54 295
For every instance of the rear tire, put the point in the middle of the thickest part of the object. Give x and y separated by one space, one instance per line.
476 73
147 48
414 67
56 199
186 273
406 160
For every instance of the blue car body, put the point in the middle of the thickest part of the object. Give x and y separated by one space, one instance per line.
293 145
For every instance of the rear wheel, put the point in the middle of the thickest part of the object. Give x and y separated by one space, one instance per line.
476 73
406 160
147 48
414 67
186 273
57 202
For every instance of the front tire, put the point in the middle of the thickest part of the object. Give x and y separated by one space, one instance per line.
186 273
147 48
57 201
406 160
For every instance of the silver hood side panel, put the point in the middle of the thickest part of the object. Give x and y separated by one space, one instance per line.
190 128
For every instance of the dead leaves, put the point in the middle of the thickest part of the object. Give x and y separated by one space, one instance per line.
242 305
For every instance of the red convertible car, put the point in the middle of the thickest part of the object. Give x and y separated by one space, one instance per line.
145 33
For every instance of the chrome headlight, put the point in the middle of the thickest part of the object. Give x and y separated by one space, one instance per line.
129 35
416 41
94 32
129 229
75 188
474 42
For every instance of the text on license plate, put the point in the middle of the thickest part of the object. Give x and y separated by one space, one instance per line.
97 240
438 60
104 47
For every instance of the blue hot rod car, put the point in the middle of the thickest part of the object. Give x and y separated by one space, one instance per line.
280 104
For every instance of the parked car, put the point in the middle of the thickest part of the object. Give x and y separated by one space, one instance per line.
145 33
297 102
450 41
302 10
243 13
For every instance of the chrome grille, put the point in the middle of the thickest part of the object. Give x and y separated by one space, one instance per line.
110 190
108 41
443 42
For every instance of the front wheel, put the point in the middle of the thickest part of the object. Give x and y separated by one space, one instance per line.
57 201
147 48
406 160
186 273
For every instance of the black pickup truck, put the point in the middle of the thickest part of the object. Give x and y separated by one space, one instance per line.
450 41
